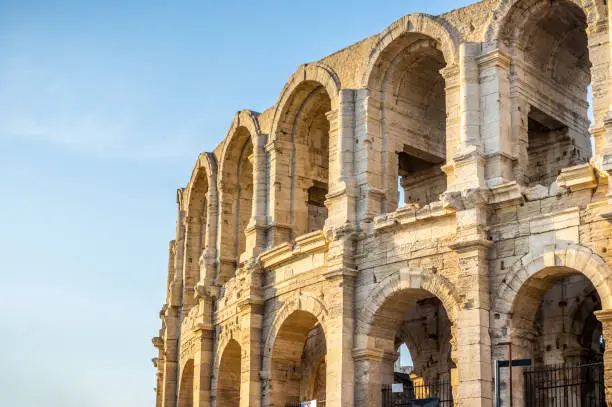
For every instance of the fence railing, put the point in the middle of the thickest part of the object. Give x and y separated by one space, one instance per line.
431 395
565 386
320 403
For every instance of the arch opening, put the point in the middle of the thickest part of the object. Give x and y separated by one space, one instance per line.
305 126
298 363
412 109
554 326
195 234
416 320
185 398
550 78
237 201
228 384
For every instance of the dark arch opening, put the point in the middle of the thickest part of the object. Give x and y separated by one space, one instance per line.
298 365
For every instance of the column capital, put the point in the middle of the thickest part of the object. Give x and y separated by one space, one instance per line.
495 58
377 355
604 316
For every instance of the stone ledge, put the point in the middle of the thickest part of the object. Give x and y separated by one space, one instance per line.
578 178
305 244
509 192
368 354
411 214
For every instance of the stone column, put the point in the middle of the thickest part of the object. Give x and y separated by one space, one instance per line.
170 385
605 317
452 82
158 362
601 69
278 208
607 160
250 310
172 315
340 199
340 380
368 149
473 341
175 293
472 324
368 376
256 228
496 117
468 159
192 226
203 362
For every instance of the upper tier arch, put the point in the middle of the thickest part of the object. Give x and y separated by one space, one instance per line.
417 23
315 72
244 118
510 10
205 169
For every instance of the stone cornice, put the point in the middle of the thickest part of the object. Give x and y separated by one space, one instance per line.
467 199
305 244
604 316
469 244
495 58
368 354
411 214
578 178
342 272
507 193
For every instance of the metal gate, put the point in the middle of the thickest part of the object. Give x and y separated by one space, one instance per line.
432 395
565 386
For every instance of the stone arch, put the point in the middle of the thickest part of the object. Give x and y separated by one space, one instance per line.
284 349
380 327
406 279
518 305
567 256
228 332
301 302
554 58
236 190
411 77
594 10
228 374
303 153
185 392
315 72
205 170
417 23
200 221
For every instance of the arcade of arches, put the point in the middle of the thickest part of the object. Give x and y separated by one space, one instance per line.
428 208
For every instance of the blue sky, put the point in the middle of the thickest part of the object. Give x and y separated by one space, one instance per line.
104 107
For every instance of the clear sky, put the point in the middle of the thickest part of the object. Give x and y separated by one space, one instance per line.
104 107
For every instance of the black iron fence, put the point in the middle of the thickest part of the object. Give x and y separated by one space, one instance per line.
320 403
565 386
430 395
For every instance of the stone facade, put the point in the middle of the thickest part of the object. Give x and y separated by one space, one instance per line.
296 272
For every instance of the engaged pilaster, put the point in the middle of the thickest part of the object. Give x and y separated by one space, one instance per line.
468 159
250 310
473 340
278 208
203 361
256 228
496 117
341 196
605 317
340 381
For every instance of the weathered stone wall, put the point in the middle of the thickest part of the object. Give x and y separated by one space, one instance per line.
293 274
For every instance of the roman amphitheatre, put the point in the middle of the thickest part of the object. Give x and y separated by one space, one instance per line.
439 189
